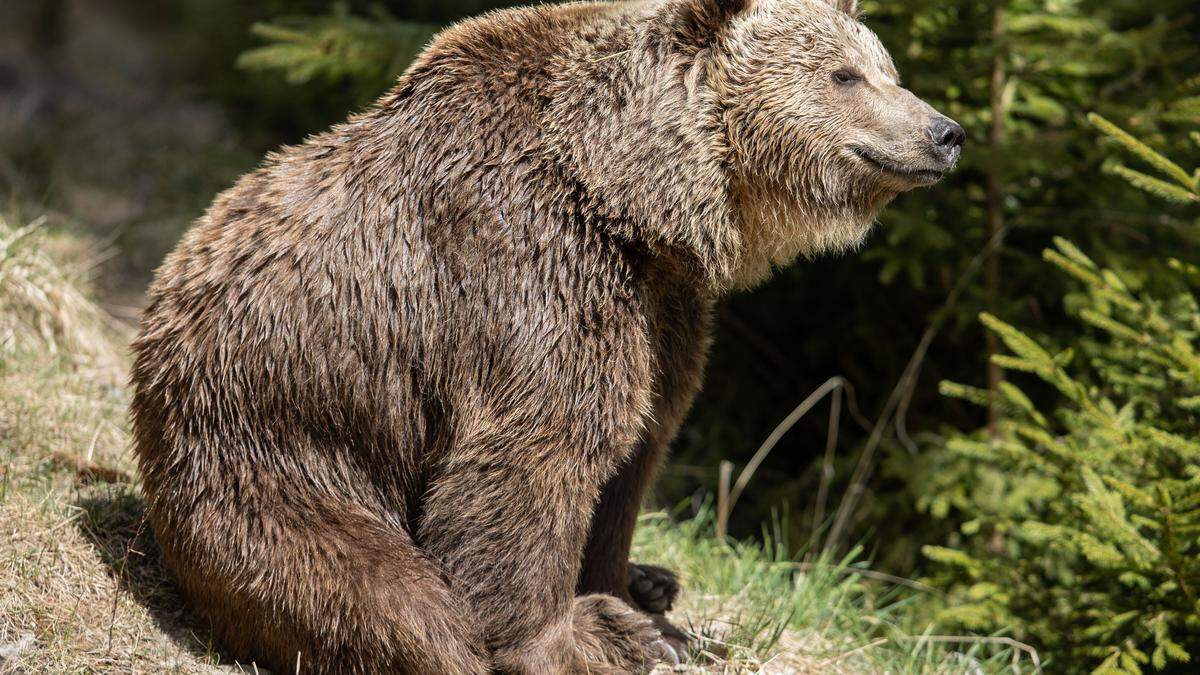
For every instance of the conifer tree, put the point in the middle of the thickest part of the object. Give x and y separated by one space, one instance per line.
1034 177
368 51
1082 530
1012 72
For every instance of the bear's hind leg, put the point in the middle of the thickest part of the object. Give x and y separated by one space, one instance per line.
511 534
330 590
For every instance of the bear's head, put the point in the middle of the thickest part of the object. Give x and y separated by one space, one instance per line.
821 134
749 132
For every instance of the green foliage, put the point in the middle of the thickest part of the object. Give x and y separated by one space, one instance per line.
757 609
368 51
1022 69
1178 185
1082 529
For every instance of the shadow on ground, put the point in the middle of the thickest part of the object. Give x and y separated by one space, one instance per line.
115 524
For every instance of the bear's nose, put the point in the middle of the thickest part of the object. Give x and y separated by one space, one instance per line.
946 135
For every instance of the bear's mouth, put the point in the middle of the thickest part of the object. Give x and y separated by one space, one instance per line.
920 176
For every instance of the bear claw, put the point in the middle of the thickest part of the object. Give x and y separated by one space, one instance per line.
675 643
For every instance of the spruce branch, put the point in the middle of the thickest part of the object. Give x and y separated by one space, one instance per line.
1160 188
336 46
1145 152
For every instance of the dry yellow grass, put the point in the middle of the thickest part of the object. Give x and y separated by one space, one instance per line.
44 308
77 575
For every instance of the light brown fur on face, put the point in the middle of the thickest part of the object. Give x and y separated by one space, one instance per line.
799 186
400 393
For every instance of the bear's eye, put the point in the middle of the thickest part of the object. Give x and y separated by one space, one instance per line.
846 76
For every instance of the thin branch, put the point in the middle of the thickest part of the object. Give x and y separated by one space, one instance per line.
902 393
1017 645
857 650
831 439
799 412
724 507
870 574
939 319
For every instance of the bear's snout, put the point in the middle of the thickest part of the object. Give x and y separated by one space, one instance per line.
947 137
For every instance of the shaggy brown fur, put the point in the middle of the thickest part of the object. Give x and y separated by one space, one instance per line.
400 393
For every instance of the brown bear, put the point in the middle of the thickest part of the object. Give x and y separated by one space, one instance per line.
400 392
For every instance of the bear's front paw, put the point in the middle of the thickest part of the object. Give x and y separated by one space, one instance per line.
610 634
652 588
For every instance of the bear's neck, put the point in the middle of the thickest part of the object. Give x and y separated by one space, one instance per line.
776 229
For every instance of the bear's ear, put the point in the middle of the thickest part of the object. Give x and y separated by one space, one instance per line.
849 7
696 23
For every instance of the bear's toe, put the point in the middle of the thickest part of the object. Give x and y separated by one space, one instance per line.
652 588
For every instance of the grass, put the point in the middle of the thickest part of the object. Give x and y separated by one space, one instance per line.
754 608
81 589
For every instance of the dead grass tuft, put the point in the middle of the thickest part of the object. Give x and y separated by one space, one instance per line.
43 307
80 587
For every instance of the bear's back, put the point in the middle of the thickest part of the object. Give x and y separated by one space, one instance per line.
429 242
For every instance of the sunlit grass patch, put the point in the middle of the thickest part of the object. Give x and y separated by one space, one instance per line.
754 608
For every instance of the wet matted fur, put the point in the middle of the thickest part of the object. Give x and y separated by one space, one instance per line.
400 392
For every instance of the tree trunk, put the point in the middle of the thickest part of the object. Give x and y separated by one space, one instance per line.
995 204
49 23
